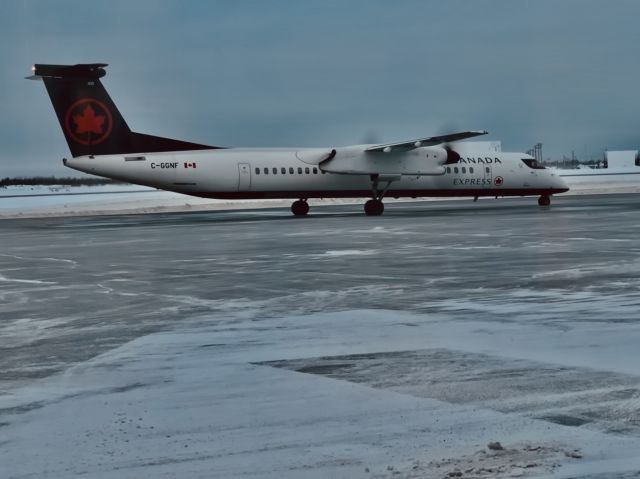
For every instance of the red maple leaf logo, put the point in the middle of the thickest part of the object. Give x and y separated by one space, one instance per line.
89 122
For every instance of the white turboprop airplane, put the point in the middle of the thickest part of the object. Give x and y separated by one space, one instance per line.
102 144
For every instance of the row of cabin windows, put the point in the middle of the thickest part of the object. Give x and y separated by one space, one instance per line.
463 169
456 170
292 171
308 170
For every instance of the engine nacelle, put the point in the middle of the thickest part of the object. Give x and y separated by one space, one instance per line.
426 161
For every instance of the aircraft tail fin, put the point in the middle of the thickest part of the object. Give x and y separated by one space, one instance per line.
90 121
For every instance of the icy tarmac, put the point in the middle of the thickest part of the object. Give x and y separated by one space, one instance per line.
253 344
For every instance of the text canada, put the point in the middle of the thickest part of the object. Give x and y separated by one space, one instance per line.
485 160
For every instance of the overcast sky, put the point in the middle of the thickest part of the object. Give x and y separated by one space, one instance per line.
330 73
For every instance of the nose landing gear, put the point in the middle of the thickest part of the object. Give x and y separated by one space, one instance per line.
300 207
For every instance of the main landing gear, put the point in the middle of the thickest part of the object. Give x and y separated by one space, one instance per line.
375 206
544 200
300 207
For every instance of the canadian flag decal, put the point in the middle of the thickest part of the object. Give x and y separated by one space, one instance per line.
190 165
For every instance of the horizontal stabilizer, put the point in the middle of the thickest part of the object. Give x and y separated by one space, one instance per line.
82 70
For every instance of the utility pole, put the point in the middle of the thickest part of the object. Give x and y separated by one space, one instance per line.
539 152
536 152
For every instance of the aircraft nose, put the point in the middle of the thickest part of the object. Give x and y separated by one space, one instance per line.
559 184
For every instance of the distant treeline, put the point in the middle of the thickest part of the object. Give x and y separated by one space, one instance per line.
52 180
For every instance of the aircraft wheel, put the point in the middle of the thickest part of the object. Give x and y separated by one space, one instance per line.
373 208
300 208
544 200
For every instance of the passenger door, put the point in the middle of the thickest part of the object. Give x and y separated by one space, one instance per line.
244 177
488 176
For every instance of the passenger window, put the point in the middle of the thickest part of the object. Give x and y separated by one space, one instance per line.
291 171
257 171
283 171
306 170
471 169
455 169
315 171
464 170
448 169
487 169
266 171
299 170
275 171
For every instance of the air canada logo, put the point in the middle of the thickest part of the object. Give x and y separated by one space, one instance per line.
498 180
88 121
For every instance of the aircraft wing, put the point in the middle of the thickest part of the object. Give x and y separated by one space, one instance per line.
431 141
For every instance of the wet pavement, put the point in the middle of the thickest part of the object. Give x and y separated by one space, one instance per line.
71 288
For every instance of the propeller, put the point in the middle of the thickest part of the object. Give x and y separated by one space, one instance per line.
452 155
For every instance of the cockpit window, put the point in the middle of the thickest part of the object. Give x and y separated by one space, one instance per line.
531 163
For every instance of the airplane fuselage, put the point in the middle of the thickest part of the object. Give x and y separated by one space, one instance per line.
296 173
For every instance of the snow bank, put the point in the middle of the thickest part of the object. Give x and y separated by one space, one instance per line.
44 201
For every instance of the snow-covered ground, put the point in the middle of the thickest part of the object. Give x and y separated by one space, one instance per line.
42 201
603 181
201 402
253 344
